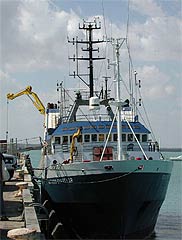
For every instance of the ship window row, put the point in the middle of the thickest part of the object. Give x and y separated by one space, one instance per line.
101 138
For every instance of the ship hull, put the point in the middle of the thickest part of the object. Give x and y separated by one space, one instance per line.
109 205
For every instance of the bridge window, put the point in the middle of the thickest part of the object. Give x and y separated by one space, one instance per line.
101 137
130 137
138 137
115 137
65 139
87 138
94 137
79 138
109 137
57 140
144 138
124 137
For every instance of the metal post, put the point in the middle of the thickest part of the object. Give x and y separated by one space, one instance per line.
1 186
119 128
117 44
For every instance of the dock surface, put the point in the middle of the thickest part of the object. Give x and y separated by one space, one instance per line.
17 210
12 209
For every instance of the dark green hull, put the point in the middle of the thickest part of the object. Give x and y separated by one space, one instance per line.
113 205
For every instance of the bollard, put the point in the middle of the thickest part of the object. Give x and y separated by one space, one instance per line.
21 186
20 174
22 234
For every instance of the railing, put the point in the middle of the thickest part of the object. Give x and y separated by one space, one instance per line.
15 146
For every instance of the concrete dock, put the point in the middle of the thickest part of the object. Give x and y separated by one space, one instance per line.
22 213
12 210
17 207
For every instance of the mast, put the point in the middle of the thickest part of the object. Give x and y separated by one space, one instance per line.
88 27
117 45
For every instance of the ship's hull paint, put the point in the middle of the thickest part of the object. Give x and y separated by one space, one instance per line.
110 205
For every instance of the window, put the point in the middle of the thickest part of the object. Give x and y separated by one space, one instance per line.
109 137
115 137
144 138
101 137
138 137
87 138
124 137
79 138
57 140
65 139
130 137
94 137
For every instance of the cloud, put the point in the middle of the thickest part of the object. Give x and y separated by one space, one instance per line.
8 83
34 35
157 39
147 7
19 117
157 36
156 84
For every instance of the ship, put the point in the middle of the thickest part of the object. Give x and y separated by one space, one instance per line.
104 175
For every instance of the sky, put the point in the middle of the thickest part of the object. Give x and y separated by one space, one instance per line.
34 51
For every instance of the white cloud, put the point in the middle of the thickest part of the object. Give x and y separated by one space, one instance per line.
147 7
35 37
156 84
157 39
170 89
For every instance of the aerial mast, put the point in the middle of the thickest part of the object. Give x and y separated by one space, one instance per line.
88 27
118 103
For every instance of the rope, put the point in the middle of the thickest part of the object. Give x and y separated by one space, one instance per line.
136 139
132 69
146 114
103 12
103 64
128 20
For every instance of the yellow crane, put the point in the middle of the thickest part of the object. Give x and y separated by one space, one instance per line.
72 148
33 97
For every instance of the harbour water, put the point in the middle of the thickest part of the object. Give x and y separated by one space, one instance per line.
169 224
